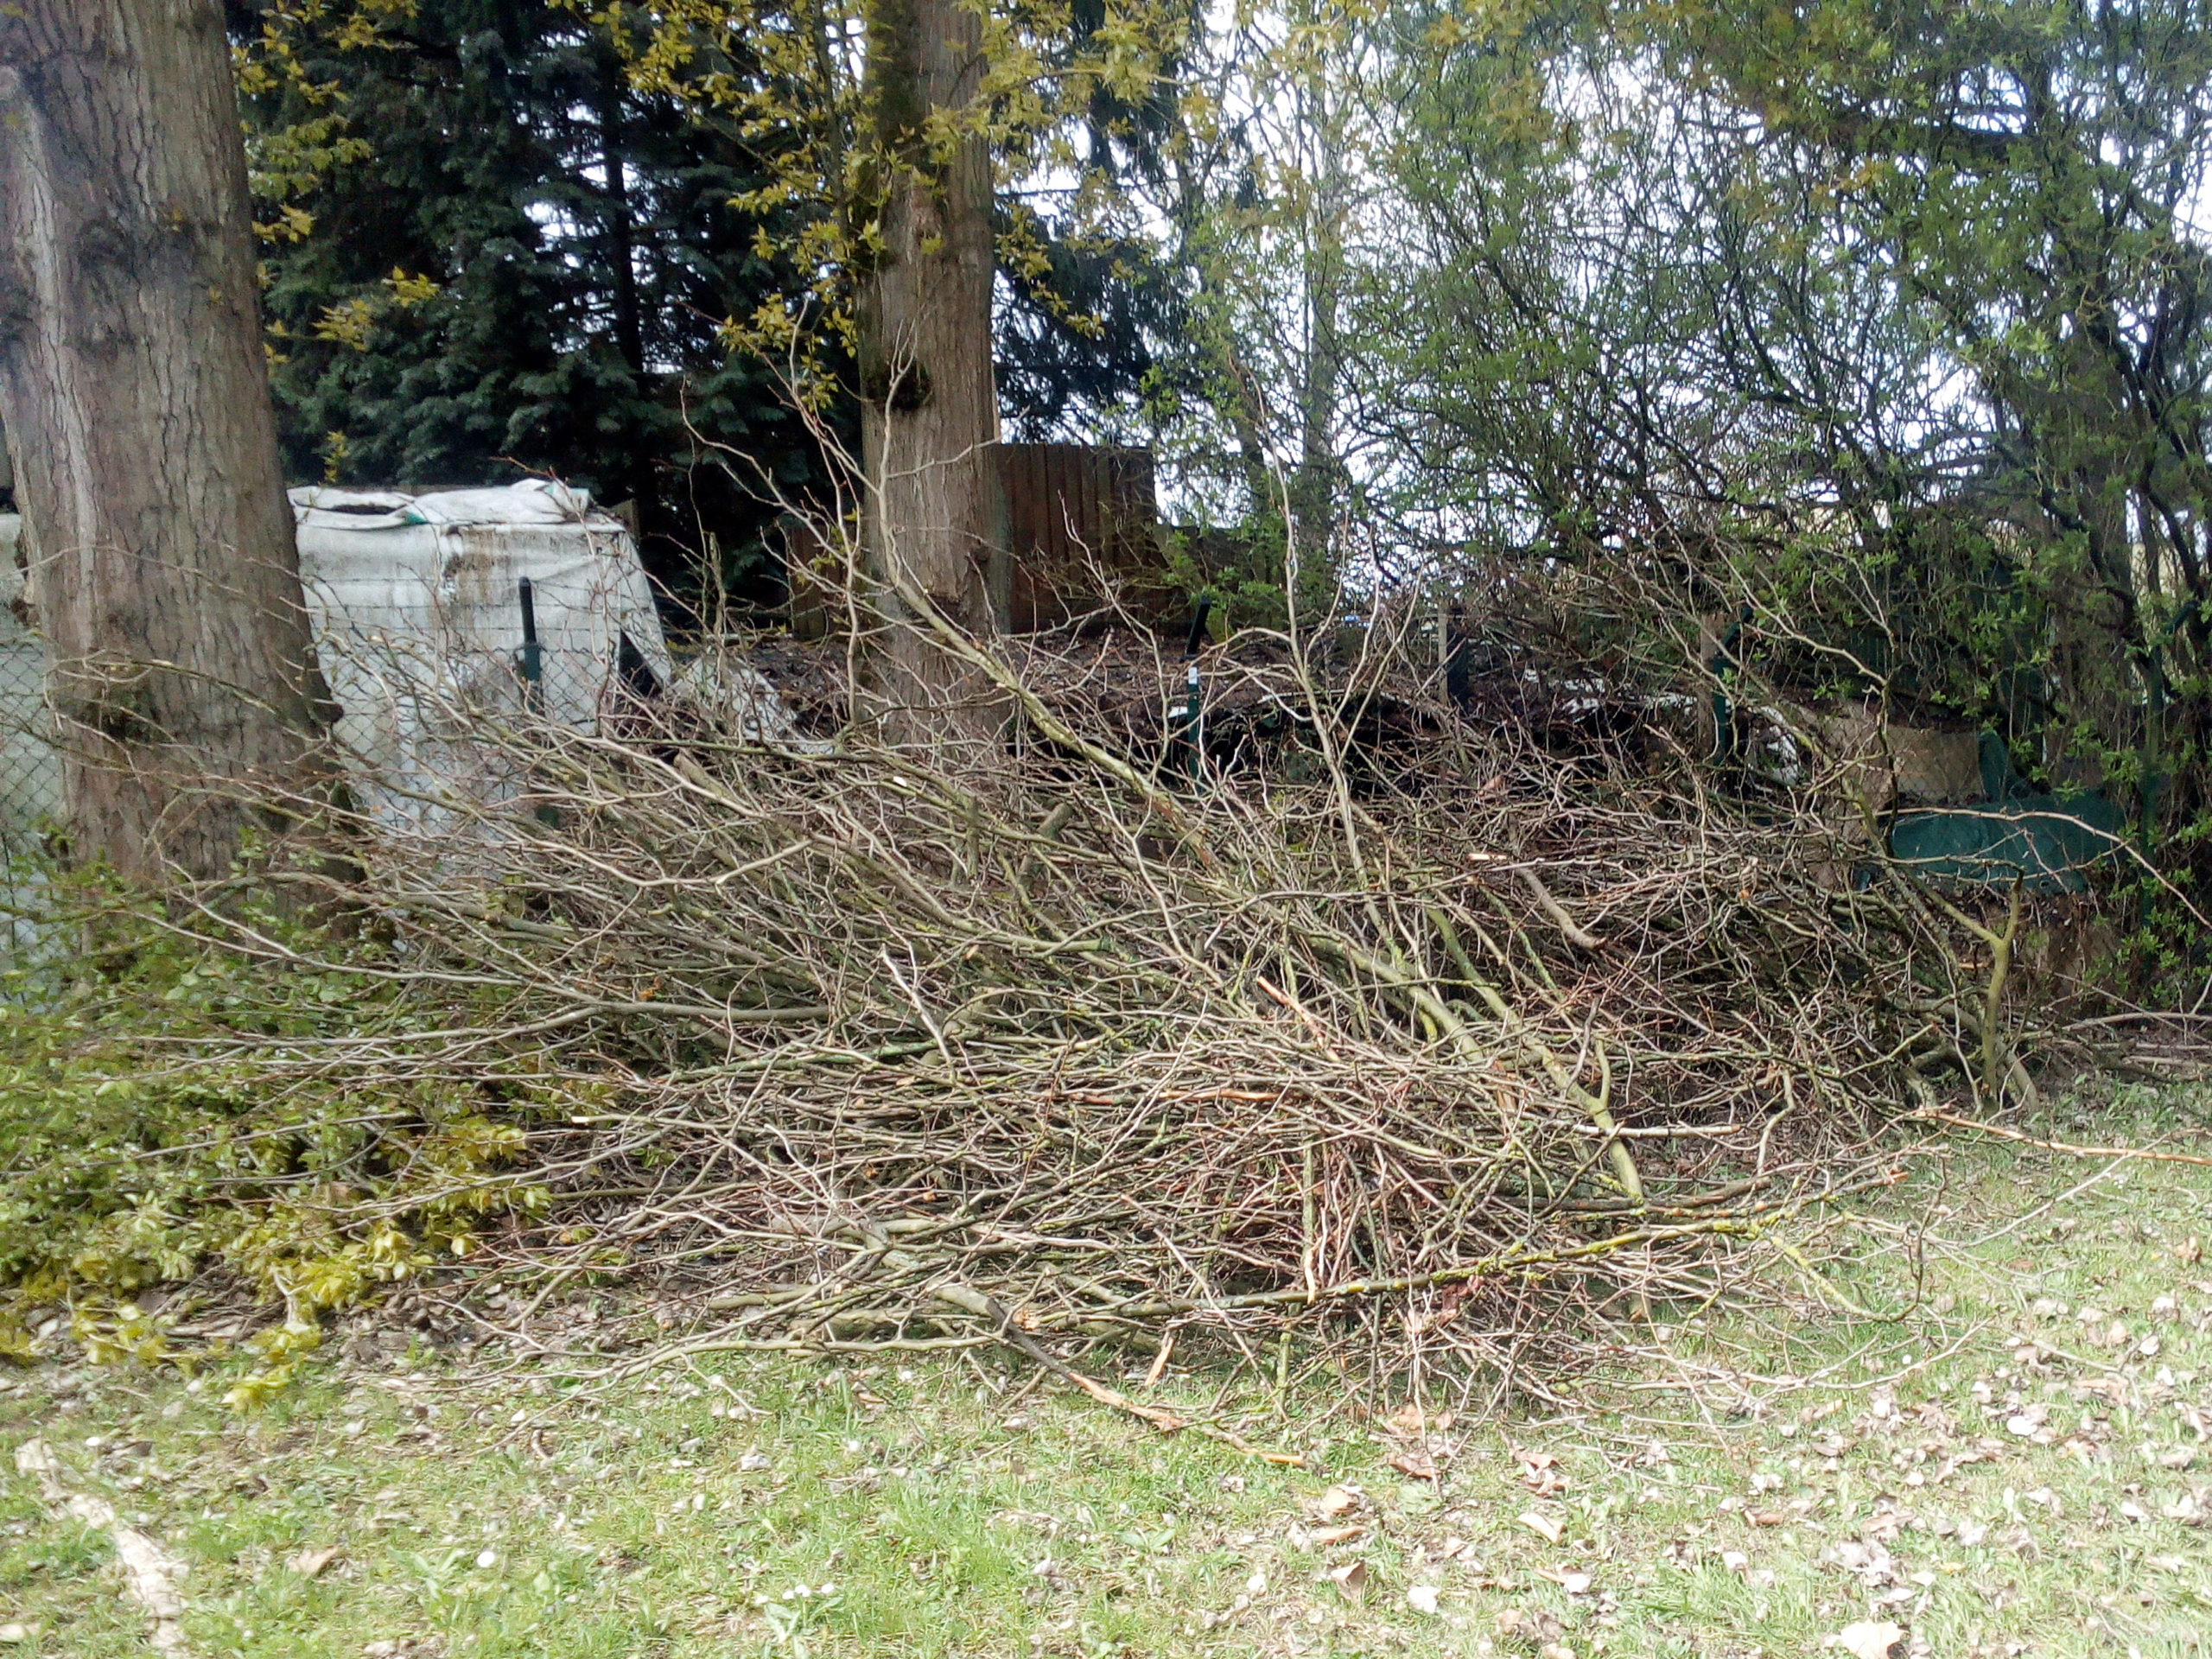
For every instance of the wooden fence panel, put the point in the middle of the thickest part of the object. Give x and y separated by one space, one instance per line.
1074 512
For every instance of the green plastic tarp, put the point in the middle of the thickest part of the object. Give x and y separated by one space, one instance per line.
2044 841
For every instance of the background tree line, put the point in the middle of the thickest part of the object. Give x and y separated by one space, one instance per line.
1885 320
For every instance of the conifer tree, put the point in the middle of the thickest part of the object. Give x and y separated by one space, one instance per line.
488 254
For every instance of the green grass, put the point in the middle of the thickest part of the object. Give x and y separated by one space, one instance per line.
1980 1467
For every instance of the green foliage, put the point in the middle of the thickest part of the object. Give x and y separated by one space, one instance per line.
161 1115
2023 178
508 234
1887 320
1064 89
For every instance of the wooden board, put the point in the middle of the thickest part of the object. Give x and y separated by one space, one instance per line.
1079 518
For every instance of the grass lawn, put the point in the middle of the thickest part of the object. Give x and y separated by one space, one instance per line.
2003 1453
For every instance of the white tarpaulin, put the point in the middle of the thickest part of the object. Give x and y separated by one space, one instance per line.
416 602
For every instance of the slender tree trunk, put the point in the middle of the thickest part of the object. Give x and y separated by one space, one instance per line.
638 479
134 382
933 523
622 228
1316 486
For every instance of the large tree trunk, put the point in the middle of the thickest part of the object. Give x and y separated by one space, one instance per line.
933 518
134 381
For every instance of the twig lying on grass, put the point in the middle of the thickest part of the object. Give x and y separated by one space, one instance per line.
149 1572
1160 1417
2144 1154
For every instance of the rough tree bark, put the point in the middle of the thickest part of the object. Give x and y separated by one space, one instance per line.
134 380
933 519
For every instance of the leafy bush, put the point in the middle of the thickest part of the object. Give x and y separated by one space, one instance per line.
163 1115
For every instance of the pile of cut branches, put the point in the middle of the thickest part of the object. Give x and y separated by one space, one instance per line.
839 1048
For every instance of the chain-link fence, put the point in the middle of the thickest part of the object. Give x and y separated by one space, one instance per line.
29 775
30 769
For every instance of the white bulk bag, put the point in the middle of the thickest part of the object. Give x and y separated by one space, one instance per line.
416 607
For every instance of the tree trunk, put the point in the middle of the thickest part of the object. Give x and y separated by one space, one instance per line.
1315 489
621 230
638 481
933 519
135 383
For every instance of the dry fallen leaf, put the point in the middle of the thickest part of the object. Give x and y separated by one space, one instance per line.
1331 1503
1351 1578
1542 1625
1868 1639
1413 1462
2025 1421
1337 1535
1540 1473
1422 1599
1869 1558
1543 1525
1409 1421
309 1562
